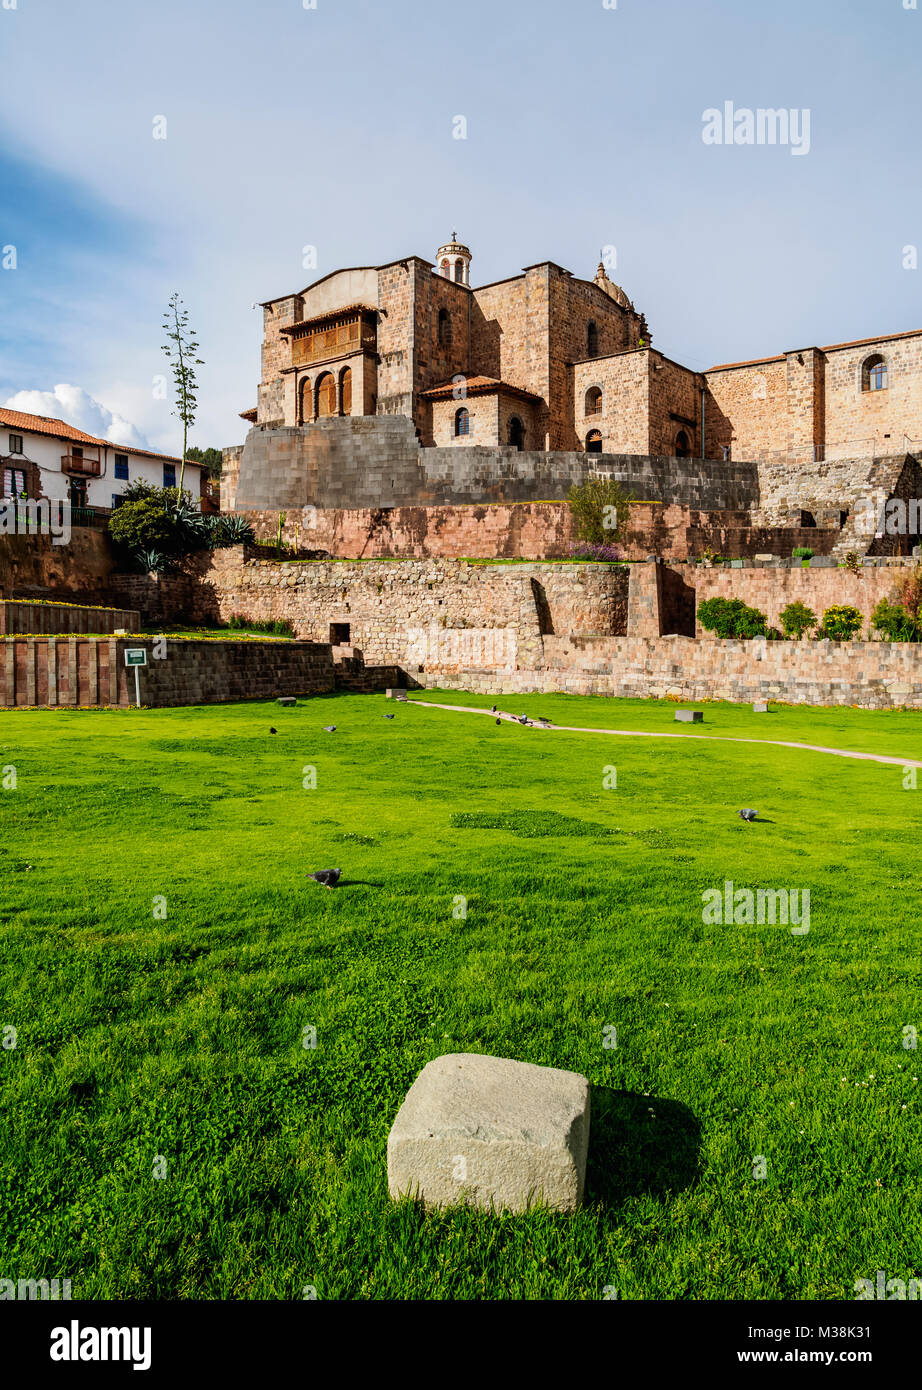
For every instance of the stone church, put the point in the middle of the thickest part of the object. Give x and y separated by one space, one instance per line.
546 361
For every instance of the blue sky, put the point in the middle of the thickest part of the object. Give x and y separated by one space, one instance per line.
332 127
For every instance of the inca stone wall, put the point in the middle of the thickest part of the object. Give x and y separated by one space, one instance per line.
870 675
91 671
374 462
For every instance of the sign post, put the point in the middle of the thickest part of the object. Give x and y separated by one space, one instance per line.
136 656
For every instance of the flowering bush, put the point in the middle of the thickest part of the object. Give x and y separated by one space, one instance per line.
597 551
841 622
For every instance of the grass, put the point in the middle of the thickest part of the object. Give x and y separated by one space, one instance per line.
174 1043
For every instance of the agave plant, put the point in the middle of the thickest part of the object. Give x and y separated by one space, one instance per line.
232 528
190 522
151 561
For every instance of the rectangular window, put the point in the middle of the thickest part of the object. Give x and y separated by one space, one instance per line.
16 444
169 475
14 482
121 467
117 500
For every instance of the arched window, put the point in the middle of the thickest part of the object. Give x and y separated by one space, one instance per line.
326 394
594 400
592 339
516 433
682 446
874 374
462 422
345 389
306 402
459 272
446 334
446 269
594 442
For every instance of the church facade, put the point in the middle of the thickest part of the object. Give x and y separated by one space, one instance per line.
546 361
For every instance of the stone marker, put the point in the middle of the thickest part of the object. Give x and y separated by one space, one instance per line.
286 700
395 694
689 716
760 707
492 1133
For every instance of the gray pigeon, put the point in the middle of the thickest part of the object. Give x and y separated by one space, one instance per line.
388 716
499 721
329 728
273 731
493 710
748 815
328 877
523 718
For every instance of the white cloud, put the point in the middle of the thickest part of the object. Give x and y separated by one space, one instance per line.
77 407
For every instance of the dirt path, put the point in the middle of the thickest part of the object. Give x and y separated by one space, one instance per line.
643 733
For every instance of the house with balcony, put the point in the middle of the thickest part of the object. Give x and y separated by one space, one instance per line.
45 457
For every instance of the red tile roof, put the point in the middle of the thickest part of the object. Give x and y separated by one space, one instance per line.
476 386
328 317
249 414
44 424
59 429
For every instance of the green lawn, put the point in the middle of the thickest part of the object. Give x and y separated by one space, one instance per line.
142 1039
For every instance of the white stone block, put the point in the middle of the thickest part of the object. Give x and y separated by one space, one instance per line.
491 1132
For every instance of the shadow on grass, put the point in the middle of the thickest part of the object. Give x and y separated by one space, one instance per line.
632 1151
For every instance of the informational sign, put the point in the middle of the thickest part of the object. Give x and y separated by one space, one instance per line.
136 657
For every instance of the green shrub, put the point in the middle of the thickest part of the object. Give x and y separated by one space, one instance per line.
599 507
796 619
841 622
142 525
893 622
279 627
730 617
802 552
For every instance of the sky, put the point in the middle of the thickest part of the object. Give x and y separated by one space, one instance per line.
289 126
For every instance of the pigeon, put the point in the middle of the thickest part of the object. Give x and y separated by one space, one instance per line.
388 716
748 815
499 721
273 731
328 877
493 710
523 718
329 728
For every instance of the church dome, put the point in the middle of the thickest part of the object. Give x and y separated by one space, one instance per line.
614 291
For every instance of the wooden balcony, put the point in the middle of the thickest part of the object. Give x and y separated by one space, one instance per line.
76 463
334 342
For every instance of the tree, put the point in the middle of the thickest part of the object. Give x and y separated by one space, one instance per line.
181 348
210 459
599 507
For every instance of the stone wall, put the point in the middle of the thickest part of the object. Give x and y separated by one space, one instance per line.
770 590
375 462
390 608
91 671
869 675
34 567
23 616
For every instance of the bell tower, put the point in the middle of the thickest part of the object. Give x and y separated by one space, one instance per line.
453 261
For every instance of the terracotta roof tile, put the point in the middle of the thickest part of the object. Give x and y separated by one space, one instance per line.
59 429
476 386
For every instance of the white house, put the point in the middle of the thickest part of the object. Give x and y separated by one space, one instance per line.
42 457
